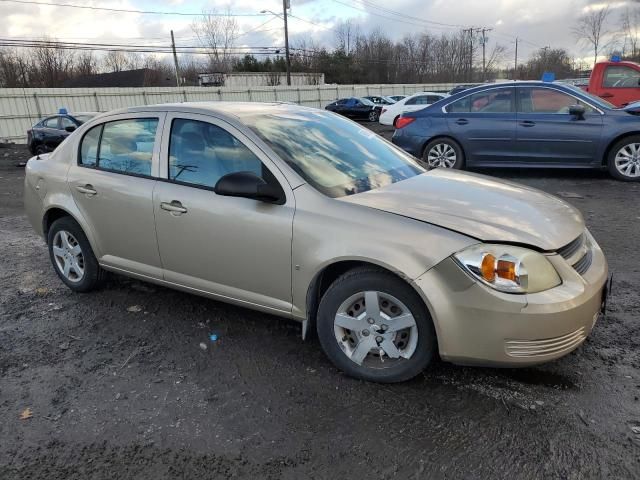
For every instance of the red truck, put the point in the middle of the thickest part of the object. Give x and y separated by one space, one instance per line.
616 81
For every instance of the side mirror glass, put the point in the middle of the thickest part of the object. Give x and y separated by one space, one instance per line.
249 185
577 111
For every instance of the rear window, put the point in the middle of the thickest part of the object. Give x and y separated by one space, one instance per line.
621 77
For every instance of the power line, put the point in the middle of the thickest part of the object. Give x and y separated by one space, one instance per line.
125 10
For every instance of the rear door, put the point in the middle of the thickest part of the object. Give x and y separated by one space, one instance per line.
547 134
620 85
485 125
112 184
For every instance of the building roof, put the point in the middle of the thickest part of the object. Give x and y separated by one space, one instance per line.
142 77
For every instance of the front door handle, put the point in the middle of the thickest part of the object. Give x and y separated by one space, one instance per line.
527 123
175 207
87 189
462 121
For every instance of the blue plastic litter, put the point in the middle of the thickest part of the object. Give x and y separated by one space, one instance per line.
548 77
213 337
63 111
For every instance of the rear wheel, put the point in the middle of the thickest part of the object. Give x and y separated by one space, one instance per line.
373 326
72 256
395 120
443 153
373 116
624 159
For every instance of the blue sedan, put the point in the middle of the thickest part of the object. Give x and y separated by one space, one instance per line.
524 124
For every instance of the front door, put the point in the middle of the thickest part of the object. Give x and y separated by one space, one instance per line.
235 248
485 125
112 184
548 134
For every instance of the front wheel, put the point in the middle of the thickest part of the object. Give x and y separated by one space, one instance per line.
373 116
443 153
373 326
624 159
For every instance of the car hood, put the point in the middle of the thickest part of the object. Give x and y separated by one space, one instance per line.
479 207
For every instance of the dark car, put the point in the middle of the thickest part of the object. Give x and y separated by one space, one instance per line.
354 107
49 132
524 124
381 100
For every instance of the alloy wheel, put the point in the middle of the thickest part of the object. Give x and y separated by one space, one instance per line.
627 160
375 329
441 155
68 256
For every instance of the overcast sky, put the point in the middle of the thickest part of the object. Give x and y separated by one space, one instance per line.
537 23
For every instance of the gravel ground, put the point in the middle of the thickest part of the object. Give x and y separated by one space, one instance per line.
119 385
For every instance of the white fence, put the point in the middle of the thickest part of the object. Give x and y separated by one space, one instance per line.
20 108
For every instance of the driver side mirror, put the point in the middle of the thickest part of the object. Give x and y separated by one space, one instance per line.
249 185
577 111
70 128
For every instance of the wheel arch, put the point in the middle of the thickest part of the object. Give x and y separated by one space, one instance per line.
607 151
55 211
329 273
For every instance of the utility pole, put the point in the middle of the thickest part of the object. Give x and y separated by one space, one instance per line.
544 58
175 59
285 5
515 63
471 31
484 43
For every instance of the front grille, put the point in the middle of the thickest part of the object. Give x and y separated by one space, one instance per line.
578 254
545 347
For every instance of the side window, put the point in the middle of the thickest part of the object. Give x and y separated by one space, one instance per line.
433 99
547 100
89 147
51 123
419 100
201 153
66 122
493 101
459 106
125 146
621 77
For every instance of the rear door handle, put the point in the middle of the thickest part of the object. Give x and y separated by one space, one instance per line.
462 121
527 123
175 207
87 189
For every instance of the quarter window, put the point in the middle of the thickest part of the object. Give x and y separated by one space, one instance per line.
123 146
200 153
66 122
621 77
547 100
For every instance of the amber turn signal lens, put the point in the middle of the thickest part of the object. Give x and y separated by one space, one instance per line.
506 270
488 267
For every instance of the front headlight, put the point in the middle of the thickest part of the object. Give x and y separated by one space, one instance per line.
509 269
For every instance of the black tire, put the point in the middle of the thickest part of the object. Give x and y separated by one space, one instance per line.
40 149
373 116
395 120
365 279
93 274
611 159
459 162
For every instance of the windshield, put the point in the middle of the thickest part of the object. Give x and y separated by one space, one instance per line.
597 100
336 156
366 101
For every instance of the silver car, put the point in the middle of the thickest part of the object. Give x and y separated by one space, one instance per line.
302 213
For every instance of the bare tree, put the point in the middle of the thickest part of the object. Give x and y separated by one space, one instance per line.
50 65
630 23
86 64
115 61
218 33
591 29
346 33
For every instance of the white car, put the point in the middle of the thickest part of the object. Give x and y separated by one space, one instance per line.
417 101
